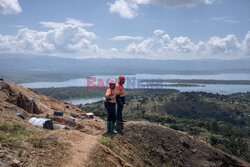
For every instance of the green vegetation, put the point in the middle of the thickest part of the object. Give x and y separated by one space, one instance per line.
12 134
71 92
107 141
222 120
83 92
42 142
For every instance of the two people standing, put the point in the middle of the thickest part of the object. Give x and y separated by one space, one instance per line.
115 94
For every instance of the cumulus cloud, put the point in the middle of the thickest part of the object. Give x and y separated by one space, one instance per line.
228 45
123 38
71 39
246 44
158 32
142 48
10 7
128 8
68 37
215 47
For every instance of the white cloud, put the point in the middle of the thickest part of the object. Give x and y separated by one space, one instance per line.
219 18
225 19
75 22
123 38
228 45
10 7
69 37
186 3
182 47
69 21
158 32
142 48
246 44
128 8
51 24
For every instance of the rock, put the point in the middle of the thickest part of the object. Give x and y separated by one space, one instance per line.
16 163
193 150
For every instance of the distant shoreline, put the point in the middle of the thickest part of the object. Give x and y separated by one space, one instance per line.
196 81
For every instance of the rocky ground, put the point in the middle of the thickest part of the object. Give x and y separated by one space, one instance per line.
39 147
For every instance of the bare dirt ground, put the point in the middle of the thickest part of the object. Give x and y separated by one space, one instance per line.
81 145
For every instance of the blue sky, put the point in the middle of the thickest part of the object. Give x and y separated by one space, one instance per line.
151 29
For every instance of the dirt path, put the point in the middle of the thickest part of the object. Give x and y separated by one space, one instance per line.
81 145
81 151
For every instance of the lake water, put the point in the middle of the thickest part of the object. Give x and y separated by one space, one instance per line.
132 81
83 101
135 78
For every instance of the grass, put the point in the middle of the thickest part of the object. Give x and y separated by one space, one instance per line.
11 135
7 141
106 141
15 129
42 142
200 114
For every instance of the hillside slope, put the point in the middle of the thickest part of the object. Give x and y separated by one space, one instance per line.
86 144
148 144
23 144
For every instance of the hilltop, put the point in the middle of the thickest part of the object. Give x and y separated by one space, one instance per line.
86 144
148 144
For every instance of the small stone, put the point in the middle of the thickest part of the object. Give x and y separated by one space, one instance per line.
15 163
193 150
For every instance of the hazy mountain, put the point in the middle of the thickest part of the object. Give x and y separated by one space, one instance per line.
47 67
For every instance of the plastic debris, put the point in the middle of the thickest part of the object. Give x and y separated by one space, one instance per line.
82 117
103 118
58 113
45 123
59 126
71 118
31 100
90 115
20 115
